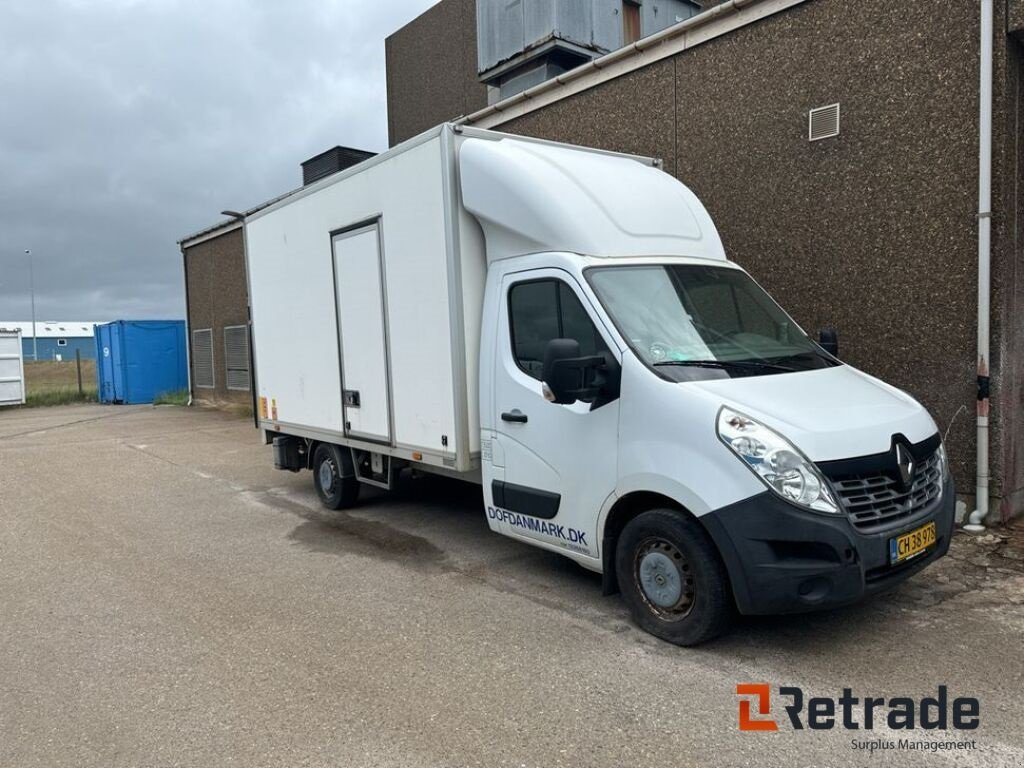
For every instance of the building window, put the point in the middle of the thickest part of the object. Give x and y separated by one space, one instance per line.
236 357
202 358
62 342
542 310
630 22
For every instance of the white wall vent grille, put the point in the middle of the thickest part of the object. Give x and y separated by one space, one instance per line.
202 358
236 357
823 122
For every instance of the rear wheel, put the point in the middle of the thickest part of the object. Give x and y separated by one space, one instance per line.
334 477
672 578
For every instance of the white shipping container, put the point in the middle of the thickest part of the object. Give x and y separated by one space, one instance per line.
12 368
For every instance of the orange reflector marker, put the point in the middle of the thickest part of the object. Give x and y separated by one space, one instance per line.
417 456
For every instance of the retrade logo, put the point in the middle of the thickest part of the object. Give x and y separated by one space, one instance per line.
763 697
850 712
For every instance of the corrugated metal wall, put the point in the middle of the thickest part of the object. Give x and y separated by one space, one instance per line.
51 349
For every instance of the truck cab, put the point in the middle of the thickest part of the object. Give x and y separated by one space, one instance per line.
623 400
659 418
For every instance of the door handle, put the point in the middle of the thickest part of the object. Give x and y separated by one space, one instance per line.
515 415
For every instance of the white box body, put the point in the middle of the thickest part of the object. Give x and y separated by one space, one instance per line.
371 282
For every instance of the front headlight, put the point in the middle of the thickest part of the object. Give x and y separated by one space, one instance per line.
776 461
943 463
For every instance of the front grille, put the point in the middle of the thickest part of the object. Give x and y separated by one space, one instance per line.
877 501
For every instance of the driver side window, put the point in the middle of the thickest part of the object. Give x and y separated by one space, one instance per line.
542 310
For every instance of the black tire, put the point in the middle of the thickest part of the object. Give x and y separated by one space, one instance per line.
334 464
692 602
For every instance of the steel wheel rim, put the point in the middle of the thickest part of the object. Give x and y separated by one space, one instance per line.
664 578
327 473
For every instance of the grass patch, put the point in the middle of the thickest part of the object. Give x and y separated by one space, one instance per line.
48 382
60 396
172 398
49 374
240 409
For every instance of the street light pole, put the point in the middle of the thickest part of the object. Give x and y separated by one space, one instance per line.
32 291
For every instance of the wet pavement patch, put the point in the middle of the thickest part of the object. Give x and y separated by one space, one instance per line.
339 533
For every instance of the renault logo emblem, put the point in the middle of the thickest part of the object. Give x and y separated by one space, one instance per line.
905 463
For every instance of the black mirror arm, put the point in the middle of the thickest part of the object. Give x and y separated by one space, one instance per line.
570 377
828 340
609 381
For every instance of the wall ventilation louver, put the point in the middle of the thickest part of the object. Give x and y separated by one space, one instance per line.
236 357
823 122
202 358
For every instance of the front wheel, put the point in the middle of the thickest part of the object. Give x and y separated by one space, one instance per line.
672 578
334 477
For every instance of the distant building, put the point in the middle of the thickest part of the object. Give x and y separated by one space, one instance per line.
56 340
217 296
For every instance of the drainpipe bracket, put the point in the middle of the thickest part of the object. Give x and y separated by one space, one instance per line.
984 387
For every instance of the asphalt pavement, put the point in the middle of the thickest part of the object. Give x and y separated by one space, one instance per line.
168 599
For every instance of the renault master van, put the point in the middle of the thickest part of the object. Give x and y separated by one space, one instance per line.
563 326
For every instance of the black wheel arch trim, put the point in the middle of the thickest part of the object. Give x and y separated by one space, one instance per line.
525 500
636 503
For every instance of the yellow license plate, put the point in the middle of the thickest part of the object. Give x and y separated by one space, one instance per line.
910 544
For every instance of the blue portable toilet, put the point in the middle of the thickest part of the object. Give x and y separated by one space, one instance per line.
137 360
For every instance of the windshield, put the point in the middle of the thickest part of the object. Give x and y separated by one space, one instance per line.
698 322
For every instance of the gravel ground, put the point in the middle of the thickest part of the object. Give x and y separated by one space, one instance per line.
168 599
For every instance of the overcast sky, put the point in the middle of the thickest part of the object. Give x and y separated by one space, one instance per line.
127 124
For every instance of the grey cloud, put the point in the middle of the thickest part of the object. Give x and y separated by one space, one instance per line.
125 125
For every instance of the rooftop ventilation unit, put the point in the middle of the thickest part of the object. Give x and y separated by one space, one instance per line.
332 161
522 43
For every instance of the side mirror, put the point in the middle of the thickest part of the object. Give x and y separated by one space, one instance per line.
828 339
568 376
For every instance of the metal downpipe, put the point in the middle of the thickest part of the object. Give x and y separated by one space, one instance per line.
977 517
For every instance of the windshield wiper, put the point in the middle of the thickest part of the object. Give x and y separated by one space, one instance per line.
727 364
801 356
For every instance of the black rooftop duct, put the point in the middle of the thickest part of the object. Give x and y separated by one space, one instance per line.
333 160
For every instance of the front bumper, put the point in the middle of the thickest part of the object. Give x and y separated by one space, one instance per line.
782 559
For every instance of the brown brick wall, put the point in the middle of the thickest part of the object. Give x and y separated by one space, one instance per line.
1015 16
431 70
217 297
873 232
1008 285
635 113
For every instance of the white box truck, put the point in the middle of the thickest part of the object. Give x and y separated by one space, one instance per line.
563 326
12 367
